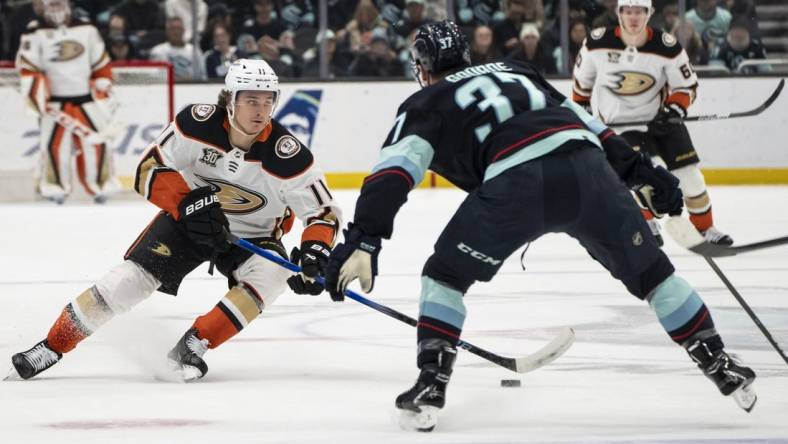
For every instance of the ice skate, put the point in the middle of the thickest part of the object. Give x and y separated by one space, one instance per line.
420 404
186 357
715 236
34 361
728 374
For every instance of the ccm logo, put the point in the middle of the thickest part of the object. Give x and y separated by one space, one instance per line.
204 202
477 255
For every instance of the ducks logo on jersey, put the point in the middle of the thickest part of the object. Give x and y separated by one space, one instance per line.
629 83
68 50
234 198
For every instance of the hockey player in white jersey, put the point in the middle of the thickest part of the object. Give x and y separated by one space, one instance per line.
634 73
65 70
216 168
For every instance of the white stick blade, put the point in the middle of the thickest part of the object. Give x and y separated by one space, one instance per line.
546 354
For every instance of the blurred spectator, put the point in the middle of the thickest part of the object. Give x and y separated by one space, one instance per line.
530 50
92 10
378 60
20 17
358 32
696 52
268 50
668 17
413 17
710 21
223 54
218 14
745 9
117 26
183 10
738 47
338 61
120 49
265 22
577 34
247 45
478 12
482 48
390 10
608 18
435 10
340 12
179 52
143 21
517 12
297 13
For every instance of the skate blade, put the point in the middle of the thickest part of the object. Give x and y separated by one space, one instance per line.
745 397
423 421
13 375
178 373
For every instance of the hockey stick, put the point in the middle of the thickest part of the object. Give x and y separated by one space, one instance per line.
523 364
746 308
686 235
753 112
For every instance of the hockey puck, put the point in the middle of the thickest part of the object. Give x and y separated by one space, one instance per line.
510 383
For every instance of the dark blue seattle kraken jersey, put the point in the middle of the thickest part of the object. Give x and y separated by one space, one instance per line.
469 127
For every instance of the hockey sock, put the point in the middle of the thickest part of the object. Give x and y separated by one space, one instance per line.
441 312
240 306
681 311
699 209
78 320
647 214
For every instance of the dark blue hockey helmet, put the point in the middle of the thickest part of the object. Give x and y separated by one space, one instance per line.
439 47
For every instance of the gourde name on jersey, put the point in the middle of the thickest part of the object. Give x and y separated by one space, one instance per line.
67 55
625 83
256 188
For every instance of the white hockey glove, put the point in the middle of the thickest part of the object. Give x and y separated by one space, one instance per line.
356 258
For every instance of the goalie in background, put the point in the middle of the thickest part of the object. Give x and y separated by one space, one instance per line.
532 162
66 78
218 168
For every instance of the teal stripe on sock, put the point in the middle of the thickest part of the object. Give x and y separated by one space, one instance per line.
441 302
675 302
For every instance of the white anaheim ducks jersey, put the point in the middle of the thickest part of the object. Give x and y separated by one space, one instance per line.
67 55
257 188
625 84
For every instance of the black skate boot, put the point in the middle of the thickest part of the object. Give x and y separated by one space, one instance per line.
186 356
420 405
727 372
34 361
715 236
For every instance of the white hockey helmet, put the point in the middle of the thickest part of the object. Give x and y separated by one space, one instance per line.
251 75
57 11
636 3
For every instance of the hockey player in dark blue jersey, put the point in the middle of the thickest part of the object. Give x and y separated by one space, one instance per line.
532 162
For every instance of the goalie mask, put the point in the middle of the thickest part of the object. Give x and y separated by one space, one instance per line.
57 11
438 48
249 75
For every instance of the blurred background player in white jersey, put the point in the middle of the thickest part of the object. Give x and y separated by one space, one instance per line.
216 168
66 81
633 72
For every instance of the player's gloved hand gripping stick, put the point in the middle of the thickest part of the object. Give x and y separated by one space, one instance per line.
523 364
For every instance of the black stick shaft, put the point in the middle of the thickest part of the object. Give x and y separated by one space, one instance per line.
746 307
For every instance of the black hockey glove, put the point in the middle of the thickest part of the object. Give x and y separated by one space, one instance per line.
656 188
312 258
668 117
356 258
203 219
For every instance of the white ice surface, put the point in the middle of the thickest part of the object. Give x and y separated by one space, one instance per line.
309 370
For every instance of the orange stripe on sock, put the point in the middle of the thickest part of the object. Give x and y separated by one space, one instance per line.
647 214
215 326
702 221
65 333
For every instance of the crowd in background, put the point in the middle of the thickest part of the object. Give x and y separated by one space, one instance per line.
369 38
